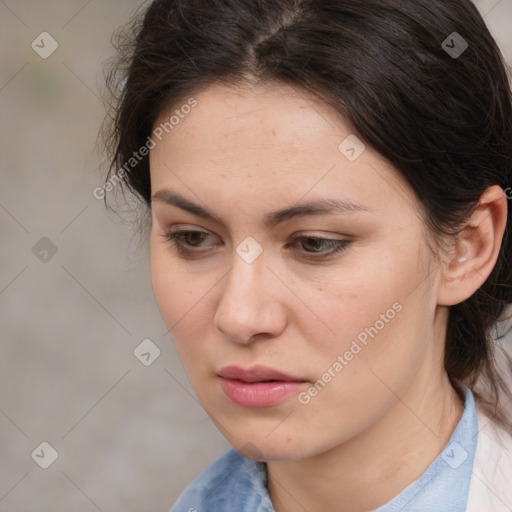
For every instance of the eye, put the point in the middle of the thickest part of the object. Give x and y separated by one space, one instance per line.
334 246
189 244
185 241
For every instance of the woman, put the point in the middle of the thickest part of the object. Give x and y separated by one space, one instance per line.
330 244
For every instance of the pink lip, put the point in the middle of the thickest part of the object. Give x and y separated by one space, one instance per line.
258 386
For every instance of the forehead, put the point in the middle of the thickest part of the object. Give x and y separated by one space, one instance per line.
228 118
270 143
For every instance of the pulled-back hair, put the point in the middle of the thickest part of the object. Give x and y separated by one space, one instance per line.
442 119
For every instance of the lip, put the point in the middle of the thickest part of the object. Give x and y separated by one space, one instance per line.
258 386
257 373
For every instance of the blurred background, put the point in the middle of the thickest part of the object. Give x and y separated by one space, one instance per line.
96 412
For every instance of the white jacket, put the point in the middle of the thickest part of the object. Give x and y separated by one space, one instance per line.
490 488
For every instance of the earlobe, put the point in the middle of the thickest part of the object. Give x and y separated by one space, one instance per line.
476 249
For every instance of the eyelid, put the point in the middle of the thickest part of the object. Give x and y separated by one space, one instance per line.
186 228
337 245
324 235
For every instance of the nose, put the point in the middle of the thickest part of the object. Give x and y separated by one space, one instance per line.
251 305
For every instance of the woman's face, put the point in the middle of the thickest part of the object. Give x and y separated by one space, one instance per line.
351 325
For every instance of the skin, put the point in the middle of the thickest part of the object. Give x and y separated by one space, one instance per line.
379 423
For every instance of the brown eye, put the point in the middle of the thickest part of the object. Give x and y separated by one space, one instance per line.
314 245
187 243
192 237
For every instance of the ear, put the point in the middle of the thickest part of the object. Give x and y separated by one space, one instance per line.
476 249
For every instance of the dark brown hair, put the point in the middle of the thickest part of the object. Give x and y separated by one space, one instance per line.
391 68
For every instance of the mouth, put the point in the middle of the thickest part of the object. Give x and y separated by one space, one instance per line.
258 386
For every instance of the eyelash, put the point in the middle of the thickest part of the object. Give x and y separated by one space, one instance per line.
338 245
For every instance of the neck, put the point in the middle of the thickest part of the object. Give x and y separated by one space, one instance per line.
370 469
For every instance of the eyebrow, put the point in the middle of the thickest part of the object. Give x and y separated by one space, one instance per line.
271 219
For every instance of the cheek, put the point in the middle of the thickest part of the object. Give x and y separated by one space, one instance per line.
171 286
165 282
354 296
181 297
377 316
380 316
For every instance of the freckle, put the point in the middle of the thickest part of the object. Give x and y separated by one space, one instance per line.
273 132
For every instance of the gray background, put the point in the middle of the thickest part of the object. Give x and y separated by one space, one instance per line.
129 437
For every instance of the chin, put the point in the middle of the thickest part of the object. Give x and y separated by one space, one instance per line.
269 450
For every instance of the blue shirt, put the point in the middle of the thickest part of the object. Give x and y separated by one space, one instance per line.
234 483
